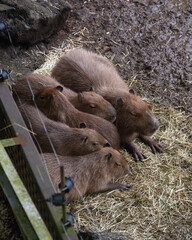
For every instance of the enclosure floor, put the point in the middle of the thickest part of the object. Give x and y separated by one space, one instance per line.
149 42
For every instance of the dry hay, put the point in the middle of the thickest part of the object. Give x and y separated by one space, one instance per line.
159 206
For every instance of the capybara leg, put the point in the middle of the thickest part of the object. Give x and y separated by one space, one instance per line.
112 186
155 147
132 149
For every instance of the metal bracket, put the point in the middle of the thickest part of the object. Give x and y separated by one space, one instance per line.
69 183
3 26
4 74
57 199
70 220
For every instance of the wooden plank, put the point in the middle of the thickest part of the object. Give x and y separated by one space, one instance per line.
30 222
38 170
11 142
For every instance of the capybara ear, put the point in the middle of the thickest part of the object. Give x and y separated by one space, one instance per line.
91 89
80 97
120 101
132 91
84 139
83 125
59 88
107 144
108 156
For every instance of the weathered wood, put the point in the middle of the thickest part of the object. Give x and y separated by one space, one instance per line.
29 166
26 214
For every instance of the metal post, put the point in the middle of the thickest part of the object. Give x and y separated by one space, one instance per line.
63 194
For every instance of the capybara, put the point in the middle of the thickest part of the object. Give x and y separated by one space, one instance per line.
89 102
66 141
57 107
92 173
81 70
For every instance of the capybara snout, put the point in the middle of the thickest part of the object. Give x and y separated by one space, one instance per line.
89 141
135 117
153 122
95 104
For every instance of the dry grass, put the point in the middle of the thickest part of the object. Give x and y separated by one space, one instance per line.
159 206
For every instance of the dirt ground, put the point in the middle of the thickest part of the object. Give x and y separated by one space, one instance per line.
149 41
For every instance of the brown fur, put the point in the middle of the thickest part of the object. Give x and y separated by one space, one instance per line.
80 69
66 140
92 172
89 102
57 107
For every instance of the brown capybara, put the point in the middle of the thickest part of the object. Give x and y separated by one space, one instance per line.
89 102
57 107
92 173
66 141
81 70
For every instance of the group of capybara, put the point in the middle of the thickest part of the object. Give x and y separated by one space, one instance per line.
84 112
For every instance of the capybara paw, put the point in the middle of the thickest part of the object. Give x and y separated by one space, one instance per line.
137 155
154 145
125 186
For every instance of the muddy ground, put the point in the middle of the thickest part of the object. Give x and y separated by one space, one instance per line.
149 41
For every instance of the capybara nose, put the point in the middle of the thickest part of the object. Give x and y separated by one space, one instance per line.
113 114
112 118
107 144
127 169
156 124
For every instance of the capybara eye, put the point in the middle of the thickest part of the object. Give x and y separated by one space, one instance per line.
133 114
95 144
42 97
82 125
117 164
107 145
92 106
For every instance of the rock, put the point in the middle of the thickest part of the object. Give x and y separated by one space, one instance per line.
32 21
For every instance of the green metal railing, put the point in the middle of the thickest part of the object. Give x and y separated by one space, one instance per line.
24 179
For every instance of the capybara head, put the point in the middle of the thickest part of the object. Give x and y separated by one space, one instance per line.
116 164
87 140
93 103
45 96
135 116
53 103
